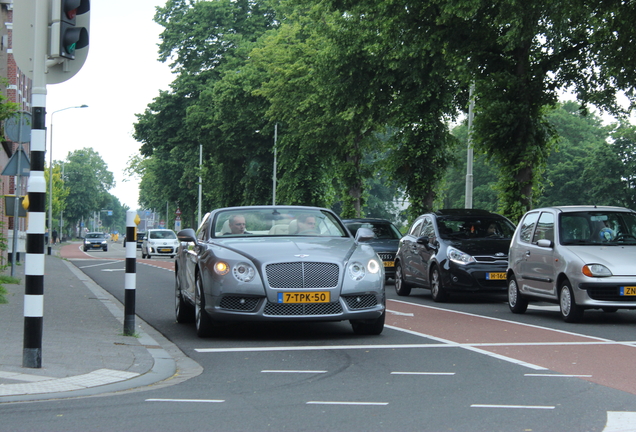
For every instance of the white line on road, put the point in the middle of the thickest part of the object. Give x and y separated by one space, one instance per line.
513 406
399 313
345 403
620 421
423 373
295 371
557 376
187 400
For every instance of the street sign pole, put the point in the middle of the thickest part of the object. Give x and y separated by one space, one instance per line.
34 259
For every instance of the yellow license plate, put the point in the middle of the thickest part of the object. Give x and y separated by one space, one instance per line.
389 263
496 276
304 297
628 291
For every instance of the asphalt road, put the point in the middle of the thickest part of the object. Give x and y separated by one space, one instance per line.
466 365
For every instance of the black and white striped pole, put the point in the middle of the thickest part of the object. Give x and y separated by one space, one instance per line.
34 258
130 279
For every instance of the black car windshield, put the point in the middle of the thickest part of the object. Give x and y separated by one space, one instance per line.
473 227
595 227
167 234
282 221
381 230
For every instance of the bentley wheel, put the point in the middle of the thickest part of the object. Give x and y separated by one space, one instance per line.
570 311
516 302
201 317
183 310
438 293
401 287
369 327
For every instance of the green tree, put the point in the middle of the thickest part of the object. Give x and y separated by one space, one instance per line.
88 181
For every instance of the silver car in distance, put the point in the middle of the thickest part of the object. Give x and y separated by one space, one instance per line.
278 263
581 257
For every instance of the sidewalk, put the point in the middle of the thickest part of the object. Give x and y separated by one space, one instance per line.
84 351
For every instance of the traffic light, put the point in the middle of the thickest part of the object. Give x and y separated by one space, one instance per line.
69 27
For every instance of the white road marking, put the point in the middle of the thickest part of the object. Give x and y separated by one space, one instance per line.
345 403
513 406
101 264
422 373
620 421
295 371
399 313
187 400
557 376
113 270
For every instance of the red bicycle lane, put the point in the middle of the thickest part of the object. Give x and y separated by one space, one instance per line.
597 360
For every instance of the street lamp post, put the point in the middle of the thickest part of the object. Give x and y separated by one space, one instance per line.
51 174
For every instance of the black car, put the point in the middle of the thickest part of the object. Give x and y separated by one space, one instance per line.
385 242
454 250
95 240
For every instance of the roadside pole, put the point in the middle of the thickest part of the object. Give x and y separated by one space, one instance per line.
130 279
34 259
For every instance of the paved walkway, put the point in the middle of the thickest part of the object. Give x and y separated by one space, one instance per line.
84 351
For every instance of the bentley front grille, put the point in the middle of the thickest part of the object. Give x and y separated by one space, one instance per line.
298 309
302 275
363 301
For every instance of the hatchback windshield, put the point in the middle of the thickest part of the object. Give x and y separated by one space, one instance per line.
282 221
473 227
594 227
162 235
95 235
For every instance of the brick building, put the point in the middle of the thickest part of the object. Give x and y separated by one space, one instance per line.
16 87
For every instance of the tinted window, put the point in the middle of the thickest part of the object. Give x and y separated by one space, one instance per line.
473 227
427 228
545 228
527 226
382 230
417 226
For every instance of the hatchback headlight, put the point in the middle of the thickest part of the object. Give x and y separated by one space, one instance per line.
458 256
243 272
596 270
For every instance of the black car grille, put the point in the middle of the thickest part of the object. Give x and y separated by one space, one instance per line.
239 303
491 259
607 293
298 309
302 275
387 256
364 301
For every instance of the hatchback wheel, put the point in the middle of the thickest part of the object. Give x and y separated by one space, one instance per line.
516 302
570 311
438 293
401 287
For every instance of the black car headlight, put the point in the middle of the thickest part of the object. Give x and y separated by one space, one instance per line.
458 256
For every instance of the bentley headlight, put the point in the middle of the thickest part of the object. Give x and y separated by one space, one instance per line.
243 272
458 256
221 268
356 270
373 266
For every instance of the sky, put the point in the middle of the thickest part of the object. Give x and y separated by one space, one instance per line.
120 78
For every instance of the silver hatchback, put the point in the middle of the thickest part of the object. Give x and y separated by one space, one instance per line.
581 257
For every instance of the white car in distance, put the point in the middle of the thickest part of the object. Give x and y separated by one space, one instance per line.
159 242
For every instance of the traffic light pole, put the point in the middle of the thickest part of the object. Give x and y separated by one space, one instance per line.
34 258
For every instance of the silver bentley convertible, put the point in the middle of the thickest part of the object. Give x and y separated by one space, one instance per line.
275 263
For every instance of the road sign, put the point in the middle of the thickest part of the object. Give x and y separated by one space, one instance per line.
17 128
12 167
